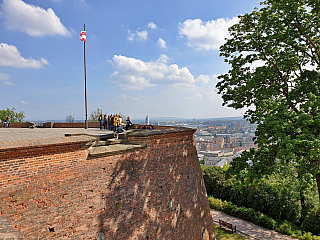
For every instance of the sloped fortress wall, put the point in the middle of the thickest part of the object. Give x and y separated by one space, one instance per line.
52 189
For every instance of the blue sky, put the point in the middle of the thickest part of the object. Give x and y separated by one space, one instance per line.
144 57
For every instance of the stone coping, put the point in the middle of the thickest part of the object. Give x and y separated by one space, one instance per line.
160 131
24 137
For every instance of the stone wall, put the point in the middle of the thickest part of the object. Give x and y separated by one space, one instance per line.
53 191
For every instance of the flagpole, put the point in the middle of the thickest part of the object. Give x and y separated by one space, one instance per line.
85 80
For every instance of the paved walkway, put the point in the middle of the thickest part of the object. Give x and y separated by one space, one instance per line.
16 134
249 228
25 137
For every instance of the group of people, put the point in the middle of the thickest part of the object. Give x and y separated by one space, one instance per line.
5 123
114 122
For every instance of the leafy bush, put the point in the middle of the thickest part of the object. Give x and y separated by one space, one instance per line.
263 197
261 219
312 221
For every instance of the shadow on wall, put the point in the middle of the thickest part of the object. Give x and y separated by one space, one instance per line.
156 196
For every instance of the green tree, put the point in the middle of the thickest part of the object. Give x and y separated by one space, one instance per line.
274 53
12 114
95 115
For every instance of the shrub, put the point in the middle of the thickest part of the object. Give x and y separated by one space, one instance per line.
263 197
312 221
285 228
263 220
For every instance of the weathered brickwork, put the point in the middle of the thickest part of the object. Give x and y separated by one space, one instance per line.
58 125
76 125
55 192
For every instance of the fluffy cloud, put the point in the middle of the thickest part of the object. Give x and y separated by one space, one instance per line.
33 20
10 57
206 35
138 36
131 73
203 79
23 102
162 43
152 25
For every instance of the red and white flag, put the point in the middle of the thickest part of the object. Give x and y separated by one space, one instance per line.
83 36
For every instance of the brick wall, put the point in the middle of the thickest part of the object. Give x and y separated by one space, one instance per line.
54 192
16 125
76 125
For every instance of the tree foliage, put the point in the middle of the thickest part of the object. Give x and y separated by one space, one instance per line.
274 53
12 114
94 115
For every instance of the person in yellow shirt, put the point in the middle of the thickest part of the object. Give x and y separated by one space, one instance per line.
115 122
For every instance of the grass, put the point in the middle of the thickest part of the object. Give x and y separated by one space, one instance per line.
223 234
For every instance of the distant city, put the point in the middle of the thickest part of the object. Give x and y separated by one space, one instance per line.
218 140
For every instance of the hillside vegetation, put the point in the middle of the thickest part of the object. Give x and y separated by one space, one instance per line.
271 201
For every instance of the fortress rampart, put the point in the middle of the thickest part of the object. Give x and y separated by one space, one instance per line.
65 188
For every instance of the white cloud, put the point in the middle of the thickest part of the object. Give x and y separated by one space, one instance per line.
33 20
131 73
24 102
152 25
4 76
162 43
10 57
163 58
206 35
138 36
8 83
203 79
44 61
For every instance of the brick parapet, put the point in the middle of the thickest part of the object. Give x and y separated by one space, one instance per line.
153 193
58 125
76 125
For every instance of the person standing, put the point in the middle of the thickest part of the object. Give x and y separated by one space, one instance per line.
129 123
6 123
110 122
105 122
115 122
100 120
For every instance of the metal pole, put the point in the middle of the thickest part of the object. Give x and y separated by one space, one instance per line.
85 80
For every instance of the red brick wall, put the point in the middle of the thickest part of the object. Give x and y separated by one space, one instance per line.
16 125
76 125
54 192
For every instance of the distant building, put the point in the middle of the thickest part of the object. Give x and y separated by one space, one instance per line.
208 162
147 120
217 161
